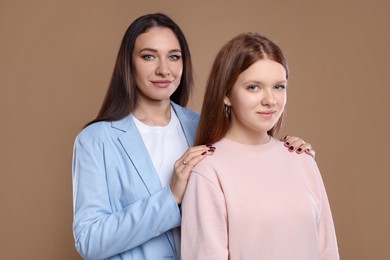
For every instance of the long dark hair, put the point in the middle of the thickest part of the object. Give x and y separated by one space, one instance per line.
235 56
121 98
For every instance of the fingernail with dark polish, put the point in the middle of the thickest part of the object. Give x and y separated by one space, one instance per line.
209 145
299 150
285 137
291 148
204 153
287 143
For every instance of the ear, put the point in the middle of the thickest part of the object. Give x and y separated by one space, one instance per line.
226 101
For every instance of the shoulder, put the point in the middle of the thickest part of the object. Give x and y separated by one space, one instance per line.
182 111
94 131
281 159
283 151
205 172
210 167
105 130
304 162
91 138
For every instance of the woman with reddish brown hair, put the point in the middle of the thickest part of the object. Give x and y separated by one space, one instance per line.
252 199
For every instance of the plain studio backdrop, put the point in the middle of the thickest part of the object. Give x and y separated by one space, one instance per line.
57 57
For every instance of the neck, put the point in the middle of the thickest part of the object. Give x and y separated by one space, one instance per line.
254 138
153 114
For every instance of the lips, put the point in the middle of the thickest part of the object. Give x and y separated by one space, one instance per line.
162 83
266 114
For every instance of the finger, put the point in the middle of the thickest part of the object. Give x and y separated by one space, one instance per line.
183 168
307 148
298 145
195 158
310 152
288 140
294 144
194 152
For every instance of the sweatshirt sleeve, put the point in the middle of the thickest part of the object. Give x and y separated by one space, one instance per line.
204 221
99 231
326 230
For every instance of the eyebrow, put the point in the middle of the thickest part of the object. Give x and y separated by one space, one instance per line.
282 82
154 50
260 82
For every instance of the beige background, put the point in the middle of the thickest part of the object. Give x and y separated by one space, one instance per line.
56 59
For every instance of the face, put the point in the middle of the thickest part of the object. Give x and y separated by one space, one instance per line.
157 64
257 100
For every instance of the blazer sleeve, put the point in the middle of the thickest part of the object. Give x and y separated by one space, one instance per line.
204 221
101 233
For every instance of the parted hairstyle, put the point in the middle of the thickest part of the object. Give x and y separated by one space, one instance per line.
122 95
235 57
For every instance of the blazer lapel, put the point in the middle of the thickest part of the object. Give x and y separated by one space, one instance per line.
134 147
189 122
138 154
132 143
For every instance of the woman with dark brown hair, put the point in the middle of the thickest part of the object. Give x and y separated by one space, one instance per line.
252 199
131 164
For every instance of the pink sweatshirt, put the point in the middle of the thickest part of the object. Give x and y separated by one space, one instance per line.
257 202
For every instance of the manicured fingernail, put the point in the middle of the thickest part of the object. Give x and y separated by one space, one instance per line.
299 150
287 143
211 150
291 148
212 147
209 145
204 153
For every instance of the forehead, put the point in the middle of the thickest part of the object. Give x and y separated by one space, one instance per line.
157 38
264 70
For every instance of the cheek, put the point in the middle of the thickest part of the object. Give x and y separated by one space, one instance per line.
250 101
282 100
244 106
177 76
138 73
179 70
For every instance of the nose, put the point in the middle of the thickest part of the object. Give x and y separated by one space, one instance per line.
163 68
268 99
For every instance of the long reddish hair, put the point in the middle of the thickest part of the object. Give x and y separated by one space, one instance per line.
235 56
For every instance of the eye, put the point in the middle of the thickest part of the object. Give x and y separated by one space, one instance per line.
253 88
175 57
280 87
148 57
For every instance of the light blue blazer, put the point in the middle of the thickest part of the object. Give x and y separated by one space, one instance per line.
121 210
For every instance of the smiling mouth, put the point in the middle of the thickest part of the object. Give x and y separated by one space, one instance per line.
266 114
162 83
